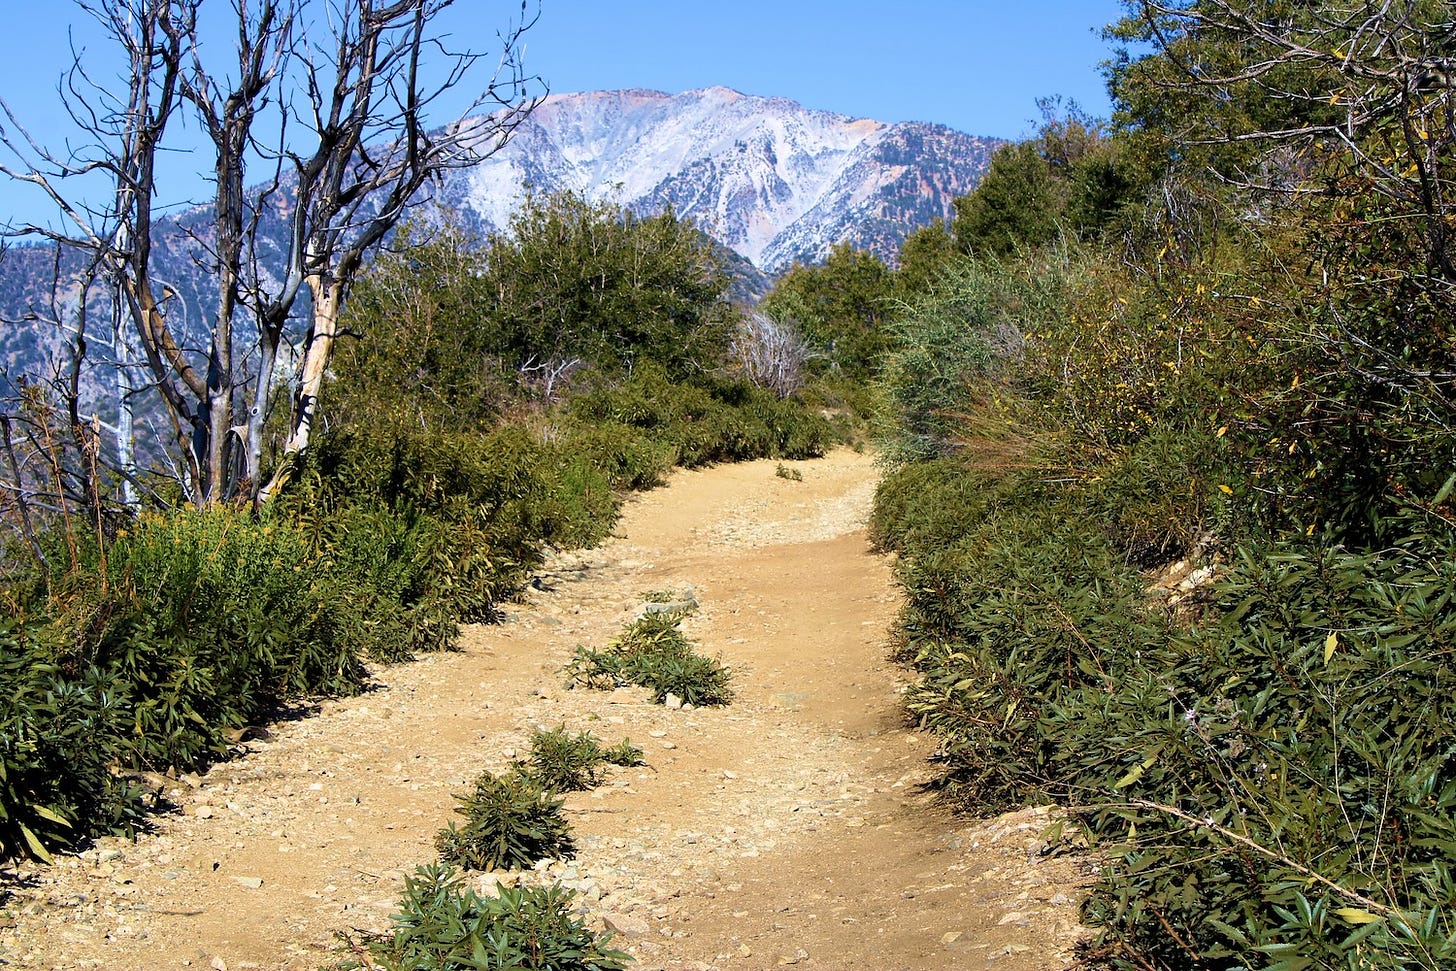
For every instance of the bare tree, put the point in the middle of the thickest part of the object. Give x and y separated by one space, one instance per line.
1373 83
770 353
340 131
1342 115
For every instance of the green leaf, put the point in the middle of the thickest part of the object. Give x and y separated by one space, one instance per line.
1445 491
1132 776
52 816
37 848
1354 915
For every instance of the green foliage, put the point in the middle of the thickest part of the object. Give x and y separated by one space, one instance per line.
783 471
1247 778
1016 204
706 422
60 735
1244 378
840 305
208 621
424 355
654 652
955 344
1069 182
511 821
459 331
565 762
444 925
923 257
1283 775
571 279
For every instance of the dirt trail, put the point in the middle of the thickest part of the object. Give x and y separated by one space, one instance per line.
784 829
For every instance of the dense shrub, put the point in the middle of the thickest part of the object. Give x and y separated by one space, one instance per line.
60 734
707 422
208 621
444 925
1267 772
1277 779
1281 780
511 821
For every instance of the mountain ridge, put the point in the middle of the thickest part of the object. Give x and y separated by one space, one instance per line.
769 178
765 177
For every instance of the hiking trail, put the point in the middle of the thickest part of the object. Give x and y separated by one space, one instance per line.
788 828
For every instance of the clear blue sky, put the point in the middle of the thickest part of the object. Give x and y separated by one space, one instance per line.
975 65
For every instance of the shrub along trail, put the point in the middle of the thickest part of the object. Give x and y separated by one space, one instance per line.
784 829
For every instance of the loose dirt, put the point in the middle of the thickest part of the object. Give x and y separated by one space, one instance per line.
788 828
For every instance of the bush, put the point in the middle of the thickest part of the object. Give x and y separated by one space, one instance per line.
443 925
511 821
210 621
1286 768
60 737
711 421
1272 784
564 762
653 652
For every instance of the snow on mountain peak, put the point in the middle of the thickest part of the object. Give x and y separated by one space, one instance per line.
773 180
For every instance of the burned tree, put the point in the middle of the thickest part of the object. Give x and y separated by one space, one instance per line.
325 143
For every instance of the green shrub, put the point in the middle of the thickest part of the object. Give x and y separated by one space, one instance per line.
1276 783
925 503
654 653
630 459
511 821
565 762
60 737
210 621
1287 768
443 925
707 422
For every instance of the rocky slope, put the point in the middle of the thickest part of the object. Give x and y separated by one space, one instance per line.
772 180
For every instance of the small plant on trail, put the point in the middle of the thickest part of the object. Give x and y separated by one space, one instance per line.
784 472
511 822
444 925
566 762
653 652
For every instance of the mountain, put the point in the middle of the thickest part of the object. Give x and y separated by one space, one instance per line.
770 179
767 179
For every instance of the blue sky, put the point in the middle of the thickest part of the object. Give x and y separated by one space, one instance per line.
973 65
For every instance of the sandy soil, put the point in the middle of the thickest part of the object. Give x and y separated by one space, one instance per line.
785 829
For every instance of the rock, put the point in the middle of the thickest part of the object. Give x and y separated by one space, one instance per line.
672 701
950 937
252 883
203 812
627 925
671 607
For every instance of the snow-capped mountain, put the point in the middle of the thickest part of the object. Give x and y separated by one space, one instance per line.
769 178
